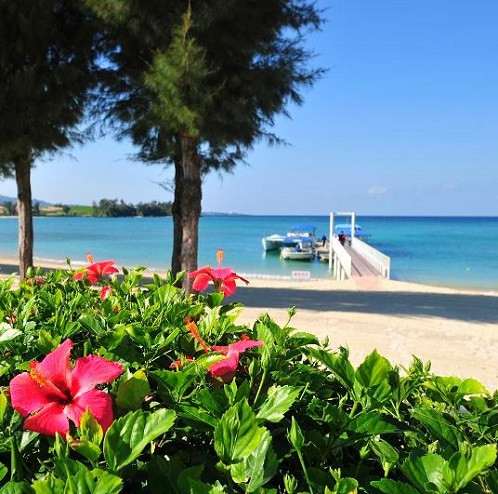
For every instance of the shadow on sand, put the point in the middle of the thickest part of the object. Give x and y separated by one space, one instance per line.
464 307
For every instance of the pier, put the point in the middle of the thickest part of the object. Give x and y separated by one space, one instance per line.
355 259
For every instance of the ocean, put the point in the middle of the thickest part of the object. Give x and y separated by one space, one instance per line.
451 251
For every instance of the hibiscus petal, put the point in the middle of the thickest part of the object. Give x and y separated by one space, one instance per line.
222 273
55 366
92 370
243 345
204 270
78 276
228 364
26 395
99 403
201 282
220 348
49 420
106 267
243 279
105 291
228 287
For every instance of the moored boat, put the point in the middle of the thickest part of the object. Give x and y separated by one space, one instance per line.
303 251
273 242
294 235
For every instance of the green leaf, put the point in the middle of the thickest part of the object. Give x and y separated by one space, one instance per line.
3 406
189 412
129 435
49 484
15 488
173 384
470 462
389 486
439 426
86 448
387 454
198 487
371 424
90 322
373 370
346 485
90 436
426 472
3 471
471 387
132 391
90 429
237 433
338 364
46 341
8 333
280 399
93 482
257 468
301 338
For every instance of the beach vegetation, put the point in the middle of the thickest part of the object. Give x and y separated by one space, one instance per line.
46 67
112 208
196 84
149 389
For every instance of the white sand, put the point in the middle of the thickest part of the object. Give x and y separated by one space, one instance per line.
457 330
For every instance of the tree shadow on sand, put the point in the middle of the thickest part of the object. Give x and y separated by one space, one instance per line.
464 307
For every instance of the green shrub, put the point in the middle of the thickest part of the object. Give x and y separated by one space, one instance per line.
296 417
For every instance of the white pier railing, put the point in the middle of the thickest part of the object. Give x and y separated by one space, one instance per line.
340 260
379 261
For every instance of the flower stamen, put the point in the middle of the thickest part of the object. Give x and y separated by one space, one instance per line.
192 329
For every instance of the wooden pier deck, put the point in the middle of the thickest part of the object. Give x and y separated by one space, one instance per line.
360 266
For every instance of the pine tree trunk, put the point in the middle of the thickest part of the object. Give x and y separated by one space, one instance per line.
190 206
25 215
176 211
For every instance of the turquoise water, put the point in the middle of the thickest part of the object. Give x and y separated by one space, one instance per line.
444 251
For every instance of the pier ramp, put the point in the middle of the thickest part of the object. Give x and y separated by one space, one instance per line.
355 259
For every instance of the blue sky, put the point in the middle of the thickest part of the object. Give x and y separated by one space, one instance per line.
405 122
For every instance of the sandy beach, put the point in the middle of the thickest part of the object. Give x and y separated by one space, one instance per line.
457 330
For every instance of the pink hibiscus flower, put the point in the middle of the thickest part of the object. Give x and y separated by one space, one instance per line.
105 291
52 392
223 279
226 368
95 272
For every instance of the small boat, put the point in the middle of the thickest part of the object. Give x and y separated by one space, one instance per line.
303 251
275 241
323 256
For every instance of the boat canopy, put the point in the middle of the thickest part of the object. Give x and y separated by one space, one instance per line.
346 228
303 228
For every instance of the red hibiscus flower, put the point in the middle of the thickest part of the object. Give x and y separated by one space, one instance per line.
53 392
226 368
223 279
95 272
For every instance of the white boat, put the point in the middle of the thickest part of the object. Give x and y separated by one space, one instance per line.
296 233
303 251
273 242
